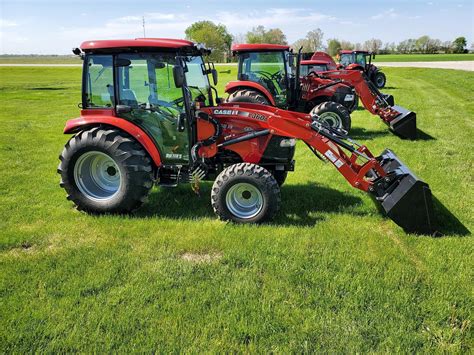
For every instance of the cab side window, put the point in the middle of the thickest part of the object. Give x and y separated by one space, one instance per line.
99 82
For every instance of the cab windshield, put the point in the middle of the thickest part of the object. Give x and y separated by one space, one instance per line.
308 68
269 69
346 59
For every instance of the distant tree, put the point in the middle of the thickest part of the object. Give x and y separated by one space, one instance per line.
315 39
238 38
260 35
358 46
212 36
447 47
422 44
302 43
311 43
346 45
334 46
459 44
373 45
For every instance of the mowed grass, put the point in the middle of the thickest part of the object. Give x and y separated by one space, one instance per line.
423 57
328 274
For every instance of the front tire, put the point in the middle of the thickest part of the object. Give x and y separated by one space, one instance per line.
245 193
333 114
105 171
380 80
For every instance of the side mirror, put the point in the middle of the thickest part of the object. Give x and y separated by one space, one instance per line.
178 75
120 109
214 76
373 56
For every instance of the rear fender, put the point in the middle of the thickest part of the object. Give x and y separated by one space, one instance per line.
233 86
106 117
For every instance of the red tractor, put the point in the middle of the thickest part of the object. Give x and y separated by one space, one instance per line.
269 74
362 60
400 120
149 117
272 74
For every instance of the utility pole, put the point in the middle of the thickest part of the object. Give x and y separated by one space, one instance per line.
143 23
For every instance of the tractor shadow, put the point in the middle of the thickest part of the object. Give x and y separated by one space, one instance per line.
423 136
363 134
446 222
302 205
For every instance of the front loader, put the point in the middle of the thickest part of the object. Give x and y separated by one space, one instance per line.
401 121
149 117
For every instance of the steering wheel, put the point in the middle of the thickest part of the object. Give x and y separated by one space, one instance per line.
167 115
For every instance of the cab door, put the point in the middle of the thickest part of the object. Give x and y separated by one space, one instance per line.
145 85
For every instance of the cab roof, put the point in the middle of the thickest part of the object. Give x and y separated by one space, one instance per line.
259 47
160 43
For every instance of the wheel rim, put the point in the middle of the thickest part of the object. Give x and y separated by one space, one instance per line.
244 200
332 119
380 80
97 176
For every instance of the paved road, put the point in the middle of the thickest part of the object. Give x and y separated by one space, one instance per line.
466 65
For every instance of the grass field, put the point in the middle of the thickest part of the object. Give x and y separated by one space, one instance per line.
329 274
423 57
70 59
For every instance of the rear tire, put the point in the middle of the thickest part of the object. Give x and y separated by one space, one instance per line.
380 80
334 114
105 171
246 95
245 193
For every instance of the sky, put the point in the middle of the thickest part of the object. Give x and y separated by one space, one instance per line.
54 27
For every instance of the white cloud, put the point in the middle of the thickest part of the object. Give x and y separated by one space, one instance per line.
7 23
416 17
390 13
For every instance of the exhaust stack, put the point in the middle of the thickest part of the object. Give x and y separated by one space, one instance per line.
403 197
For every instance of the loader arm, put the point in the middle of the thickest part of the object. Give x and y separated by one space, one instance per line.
397 191
400 120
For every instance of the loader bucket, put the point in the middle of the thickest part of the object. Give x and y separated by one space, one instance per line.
405 199
404 125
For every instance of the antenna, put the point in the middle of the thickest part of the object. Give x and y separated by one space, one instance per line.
143 23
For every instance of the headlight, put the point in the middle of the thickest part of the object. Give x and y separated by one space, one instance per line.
286 143
349 97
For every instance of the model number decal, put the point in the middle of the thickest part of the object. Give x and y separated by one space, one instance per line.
256 116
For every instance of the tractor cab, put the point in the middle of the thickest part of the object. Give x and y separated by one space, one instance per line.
270 69
360 58
153 83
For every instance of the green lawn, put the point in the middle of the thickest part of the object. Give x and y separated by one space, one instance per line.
329 274
423 57
39 59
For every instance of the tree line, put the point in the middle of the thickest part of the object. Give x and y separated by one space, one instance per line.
220 41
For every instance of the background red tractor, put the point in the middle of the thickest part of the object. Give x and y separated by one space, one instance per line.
400 120
362 60
149 117
269 74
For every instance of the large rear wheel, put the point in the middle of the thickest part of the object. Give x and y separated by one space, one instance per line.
105 170
333 114
247 95
245 193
